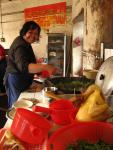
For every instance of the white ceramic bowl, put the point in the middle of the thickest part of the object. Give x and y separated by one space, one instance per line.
90 74
11 113
23 104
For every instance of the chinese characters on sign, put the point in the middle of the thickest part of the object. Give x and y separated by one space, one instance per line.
47 15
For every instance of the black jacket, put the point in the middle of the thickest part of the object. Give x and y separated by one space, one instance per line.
20 55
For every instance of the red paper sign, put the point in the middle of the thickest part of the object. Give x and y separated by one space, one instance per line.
47 15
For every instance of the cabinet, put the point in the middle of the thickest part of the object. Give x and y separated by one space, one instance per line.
57 52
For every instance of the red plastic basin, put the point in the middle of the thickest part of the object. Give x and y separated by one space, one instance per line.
89 131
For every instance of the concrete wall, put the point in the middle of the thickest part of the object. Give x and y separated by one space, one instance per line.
98 19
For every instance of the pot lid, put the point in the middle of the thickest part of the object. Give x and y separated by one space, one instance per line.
104 78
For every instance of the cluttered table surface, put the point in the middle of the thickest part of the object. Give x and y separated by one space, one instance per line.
34 99
34 95
31 97
84 112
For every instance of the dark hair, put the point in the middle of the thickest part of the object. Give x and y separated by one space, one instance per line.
29 25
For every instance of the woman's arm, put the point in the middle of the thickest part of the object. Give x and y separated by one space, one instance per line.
37 68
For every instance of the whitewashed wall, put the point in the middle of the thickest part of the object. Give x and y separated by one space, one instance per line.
77 58
13 19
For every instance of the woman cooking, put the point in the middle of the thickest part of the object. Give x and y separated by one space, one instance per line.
22 65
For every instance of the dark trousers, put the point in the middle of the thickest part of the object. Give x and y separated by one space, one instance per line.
3 65
3 104
15 84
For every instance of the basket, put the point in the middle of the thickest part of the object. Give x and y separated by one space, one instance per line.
89 131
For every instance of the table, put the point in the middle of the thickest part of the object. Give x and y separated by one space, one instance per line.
43 101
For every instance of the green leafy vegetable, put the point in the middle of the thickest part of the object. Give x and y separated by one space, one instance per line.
83 145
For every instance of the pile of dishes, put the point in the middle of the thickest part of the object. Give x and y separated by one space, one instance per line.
23 103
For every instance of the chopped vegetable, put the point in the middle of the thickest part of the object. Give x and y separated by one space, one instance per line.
69 85
83 145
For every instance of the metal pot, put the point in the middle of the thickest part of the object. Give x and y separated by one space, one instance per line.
104 78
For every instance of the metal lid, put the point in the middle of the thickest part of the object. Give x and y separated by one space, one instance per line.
104 78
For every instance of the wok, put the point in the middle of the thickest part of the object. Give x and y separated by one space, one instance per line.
69 85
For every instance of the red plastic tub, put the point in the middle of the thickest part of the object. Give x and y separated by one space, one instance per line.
30 127
88 131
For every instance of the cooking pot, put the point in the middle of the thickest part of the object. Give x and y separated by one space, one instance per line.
62 111
104 78
29 126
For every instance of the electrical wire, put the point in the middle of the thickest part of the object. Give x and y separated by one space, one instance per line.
1 17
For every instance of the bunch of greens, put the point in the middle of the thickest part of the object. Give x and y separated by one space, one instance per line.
83 145
78 85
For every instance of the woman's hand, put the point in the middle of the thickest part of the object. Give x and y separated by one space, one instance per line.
50 68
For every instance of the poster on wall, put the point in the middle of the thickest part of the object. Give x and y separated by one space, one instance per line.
47 15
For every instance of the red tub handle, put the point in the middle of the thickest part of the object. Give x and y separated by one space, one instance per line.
42 109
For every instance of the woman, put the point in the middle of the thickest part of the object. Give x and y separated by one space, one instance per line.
21 65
